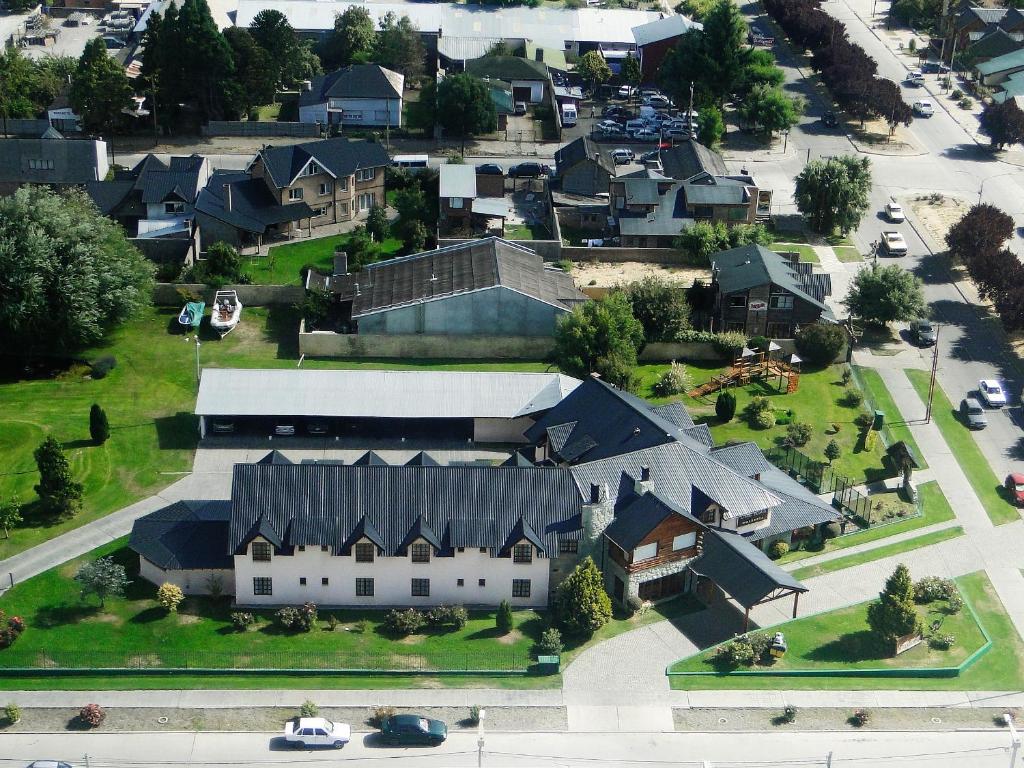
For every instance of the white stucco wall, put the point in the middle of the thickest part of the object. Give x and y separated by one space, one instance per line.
501 430
372 112
313 113
536 89
392 580
192 582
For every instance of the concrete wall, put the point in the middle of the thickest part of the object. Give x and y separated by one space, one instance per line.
618 255
192 582
260 128
166 294
392 578
495 311
550 250
326 344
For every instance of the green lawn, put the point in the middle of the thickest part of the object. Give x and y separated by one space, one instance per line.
527 232
935 509
839 639
888 550
960 441
269 112
806 252
283 264
788 235
879 396
847 253
149 398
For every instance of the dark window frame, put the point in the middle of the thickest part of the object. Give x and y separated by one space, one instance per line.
419 552
420 587
361 549
262 585
522 553
262 551
521 587
364 587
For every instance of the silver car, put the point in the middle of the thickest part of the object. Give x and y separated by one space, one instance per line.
973 413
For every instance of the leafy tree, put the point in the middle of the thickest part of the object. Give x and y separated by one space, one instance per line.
273 33
747 234
894 615
601 336
100 91
885 294
833 193
725 406
503 618
17 81
983 229
1003 123
411 203
464 107
352 40
223 263
661 307
377 223
59 494
360 249
10 516
593 68
768 109
713 60
760 69
108 281
169 596
710 127
582 604
414 235
102 578
832 451
421 114
702 240
99 427
399 46
819 343
500 48
257 76
631 70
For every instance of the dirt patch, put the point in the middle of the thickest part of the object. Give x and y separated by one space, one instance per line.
409 661
104 618
412 639
875 134
188 618
937 215
600 275
837 719
511 638
272 719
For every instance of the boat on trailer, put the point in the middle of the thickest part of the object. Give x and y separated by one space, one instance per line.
191 315
227 311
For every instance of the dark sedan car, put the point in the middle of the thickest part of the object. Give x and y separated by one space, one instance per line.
490 169
528 171
413 729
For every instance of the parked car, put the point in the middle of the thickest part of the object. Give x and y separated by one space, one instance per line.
316 732
613 110
973 413
646 135
934 68
606 124
610 131
657 100
113 43
1015 487
626 91
223 426
829 119
317 426
528 171
284 429
679 132
490 169
924 108
519 108
622 156
49 764
650 156
635 125
991 392
413 729
894 212
894 244
923 332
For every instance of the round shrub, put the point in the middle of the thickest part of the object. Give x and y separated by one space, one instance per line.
853 398
798 433
954 603
12 713
760 343
102 366
830 530
942 642
309 709
92 715
634 604
729 343
764 419
242 620
674 381
503 621
169 596
725 406
10 629
405 622
864 420
381 715
778 549
860 718
929 589
300 619
820 343
550 643
454 616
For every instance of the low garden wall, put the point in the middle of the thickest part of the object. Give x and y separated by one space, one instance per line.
550 250
261 128
619 255
328 344
167 294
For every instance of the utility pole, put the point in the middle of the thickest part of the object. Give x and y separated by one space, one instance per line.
828 761
480 739
197 357
1014 738
931 381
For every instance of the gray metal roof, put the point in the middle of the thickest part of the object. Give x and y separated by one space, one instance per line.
750 266
507 68
669 217
638 517
358 81
457 181
339 156
668 27
75 161
308 505
741 569
252 209
384 394
719 190
185 535
688 158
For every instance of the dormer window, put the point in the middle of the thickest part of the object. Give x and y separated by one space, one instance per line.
311 170
420 553
261 552
364 552
709 515
522 553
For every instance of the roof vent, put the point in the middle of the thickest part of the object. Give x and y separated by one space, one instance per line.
636 431
433 277
747 261
357 289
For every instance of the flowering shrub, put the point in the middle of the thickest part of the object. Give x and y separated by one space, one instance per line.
92 715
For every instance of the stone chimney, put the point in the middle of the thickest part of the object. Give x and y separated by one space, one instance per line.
643 485
227 197
340 263
595 516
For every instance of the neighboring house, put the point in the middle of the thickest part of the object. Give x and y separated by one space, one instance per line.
993 45
582 169
471 203
296 186
529 79
641 489
456 192
762 293
995 72
487 287
655 39
972 23
353 97
52 160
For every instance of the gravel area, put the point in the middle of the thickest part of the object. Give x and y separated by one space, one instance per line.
837 719
272 719
607 275
938 217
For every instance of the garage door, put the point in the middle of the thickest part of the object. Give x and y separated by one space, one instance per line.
520 93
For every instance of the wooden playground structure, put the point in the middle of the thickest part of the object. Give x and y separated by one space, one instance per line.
749 366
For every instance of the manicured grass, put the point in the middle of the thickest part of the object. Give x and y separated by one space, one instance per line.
974 464
788 235
816 402
840 240
527 232
269 112
839 639
879 396
283 264
149 398
806 252
877 554
934 509
847 253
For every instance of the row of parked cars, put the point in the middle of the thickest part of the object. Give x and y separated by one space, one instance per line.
396 730
518 171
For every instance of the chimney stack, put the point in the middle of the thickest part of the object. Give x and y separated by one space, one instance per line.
227 197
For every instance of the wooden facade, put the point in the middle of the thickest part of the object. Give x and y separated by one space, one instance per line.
663 534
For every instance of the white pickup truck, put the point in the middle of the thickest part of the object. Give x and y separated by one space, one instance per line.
316 732
894 244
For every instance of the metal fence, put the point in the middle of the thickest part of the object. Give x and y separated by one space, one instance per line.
819 476
355 661
853 502
260 128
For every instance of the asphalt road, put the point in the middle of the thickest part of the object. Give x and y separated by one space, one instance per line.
782 748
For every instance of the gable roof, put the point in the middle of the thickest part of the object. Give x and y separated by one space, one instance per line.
339 156
740 568
184 535
75 161
422 459
457 181
578 151
634 520
358 81
688 158
749 266
471 266
1012 60
996 43
322 505
253 208
507 68
275 457
977 13
665 28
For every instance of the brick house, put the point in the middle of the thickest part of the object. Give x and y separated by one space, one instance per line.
655 39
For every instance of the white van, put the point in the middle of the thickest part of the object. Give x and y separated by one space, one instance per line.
569 115
409 161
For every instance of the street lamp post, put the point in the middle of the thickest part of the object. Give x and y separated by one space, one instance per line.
197 357
785 140
480 739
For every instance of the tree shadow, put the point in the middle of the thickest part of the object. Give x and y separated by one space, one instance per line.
149 615
971 151
283 329
72 444
851 647
51 616
490 633
177 432
933 269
